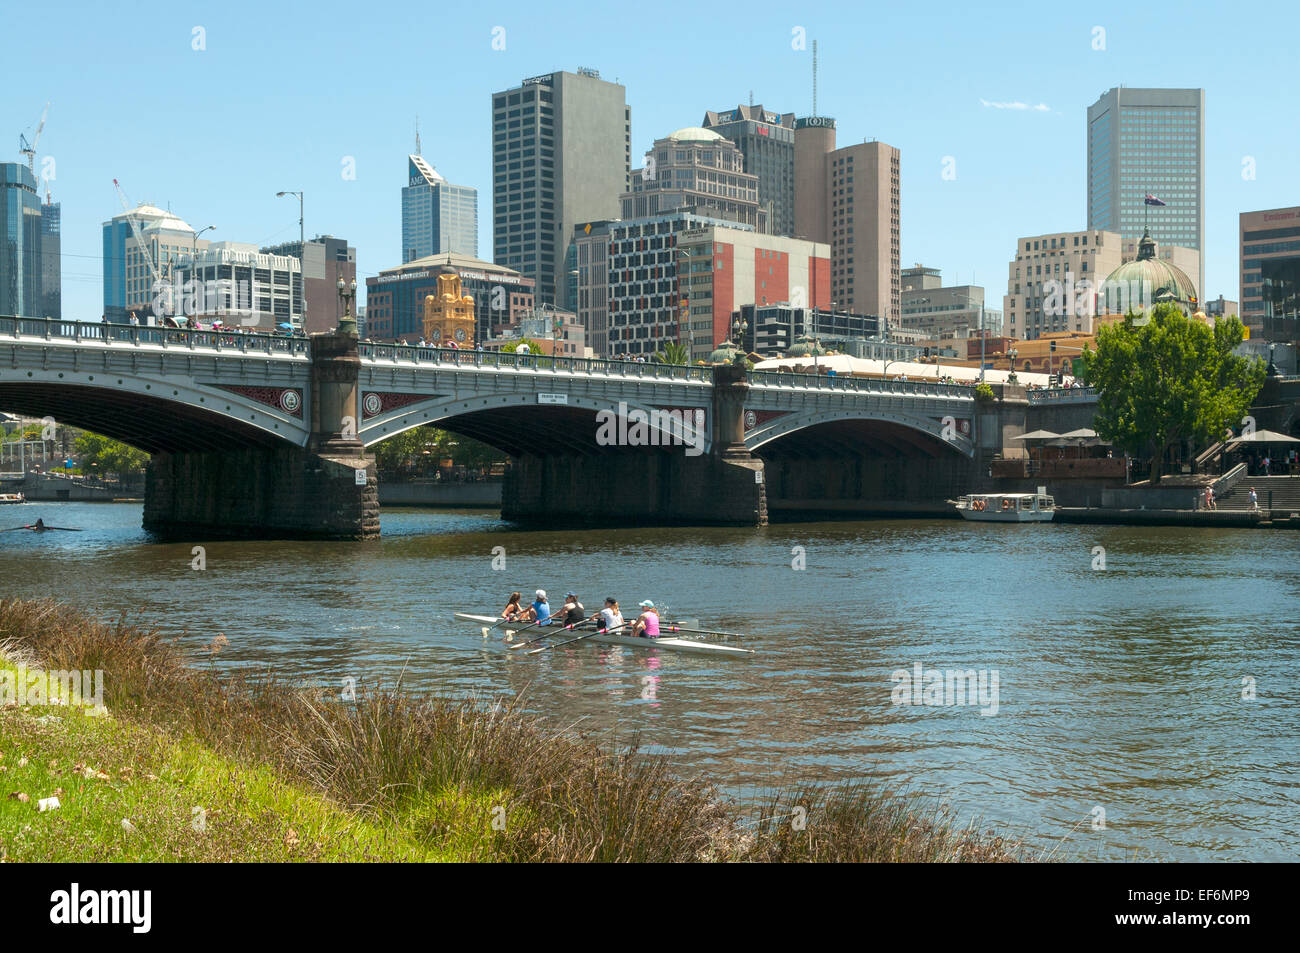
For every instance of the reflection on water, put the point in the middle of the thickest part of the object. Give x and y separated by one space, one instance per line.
1120 688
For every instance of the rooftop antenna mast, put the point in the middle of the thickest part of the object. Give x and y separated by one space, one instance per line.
814 77
417 135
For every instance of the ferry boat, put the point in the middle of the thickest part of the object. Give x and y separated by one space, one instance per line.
1007 507
12 498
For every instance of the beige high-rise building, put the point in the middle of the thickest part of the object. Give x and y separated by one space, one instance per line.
849 198
814 139
1052 281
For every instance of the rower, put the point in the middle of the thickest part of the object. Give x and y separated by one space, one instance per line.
39 525
609 617
573 611
539 611
512 609
647 626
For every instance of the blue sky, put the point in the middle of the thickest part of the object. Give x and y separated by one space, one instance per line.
284 93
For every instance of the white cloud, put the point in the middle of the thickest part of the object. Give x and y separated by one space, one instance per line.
1040 108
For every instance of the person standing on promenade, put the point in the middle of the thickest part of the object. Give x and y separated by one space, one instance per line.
1254 501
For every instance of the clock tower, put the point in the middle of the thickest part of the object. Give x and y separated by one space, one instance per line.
449 315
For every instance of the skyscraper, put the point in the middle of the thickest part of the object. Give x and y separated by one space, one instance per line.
29 247
697 170
1149 142
437 217
851 199
766 140
561 154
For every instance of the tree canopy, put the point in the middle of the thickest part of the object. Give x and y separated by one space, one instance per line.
1169 379
97 452
409 447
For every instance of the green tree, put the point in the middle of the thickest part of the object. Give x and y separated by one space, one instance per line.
409 446
106 455
400 449
1167 380
674 352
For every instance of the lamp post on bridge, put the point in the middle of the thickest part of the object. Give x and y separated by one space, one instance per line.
302 255
347 293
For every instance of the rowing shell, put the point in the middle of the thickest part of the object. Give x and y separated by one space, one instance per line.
671 644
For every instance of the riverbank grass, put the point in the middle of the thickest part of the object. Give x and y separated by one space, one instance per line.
127 792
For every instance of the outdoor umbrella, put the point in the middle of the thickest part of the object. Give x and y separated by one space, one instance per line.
1037 435
1264 436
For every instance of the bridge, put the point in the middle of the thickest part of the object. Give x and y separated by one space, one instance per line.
256 434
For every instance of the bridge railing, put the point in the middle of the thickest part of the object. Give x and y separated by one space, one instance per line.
220 339
1063 395
875 385
467 357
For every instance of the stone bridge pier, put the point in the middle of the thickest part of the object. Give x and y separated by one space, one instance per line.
327 490
626 485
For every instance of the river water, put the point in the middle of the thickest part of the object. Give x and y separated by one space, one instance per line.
1118 688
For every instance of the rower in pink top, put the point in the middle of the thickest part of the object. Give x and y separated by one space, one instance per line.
647 626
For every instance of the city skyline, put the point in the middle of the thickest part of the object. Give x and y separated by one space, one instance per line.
966 196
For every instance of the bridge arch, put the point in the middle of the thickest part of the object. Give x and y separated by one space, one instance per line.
517 423
857 429
153 414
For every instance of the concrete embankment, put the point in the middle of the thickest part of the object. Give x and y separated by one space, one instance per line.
42 487
421 493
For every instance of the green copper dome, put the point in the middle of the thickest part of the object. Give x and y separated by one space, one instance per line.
804 346
1144 282
725 353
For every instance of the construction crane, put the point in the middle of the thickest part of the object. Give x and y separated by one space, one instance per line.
29 148
158 282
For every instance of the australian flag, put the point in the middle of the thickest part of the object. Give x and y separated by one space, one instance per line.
1152 200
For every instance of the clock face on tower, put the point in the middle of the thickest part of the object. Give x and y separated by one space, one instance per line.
436 333
460 335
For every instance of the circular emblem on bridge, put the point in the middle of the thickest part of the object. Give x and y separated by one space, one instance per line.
964 427
290 401
751 419
372 404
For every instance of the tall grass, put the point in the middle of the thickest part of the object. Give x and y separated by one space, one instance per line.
486 780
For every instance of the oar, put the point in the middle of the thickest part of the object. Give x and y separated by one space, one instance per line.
486 629
544 635
579 638
679 628
33 526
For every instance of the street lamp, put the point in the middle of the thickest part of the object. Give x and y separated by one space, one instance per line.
194 246
1012 354
302 254
347 292
738 329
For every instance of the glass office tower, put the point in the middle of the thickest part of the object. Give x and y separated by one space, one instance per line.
1149 142
437 217
24 243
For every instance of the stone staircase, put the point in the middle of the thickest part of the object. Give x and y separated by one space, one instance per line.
1285 492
